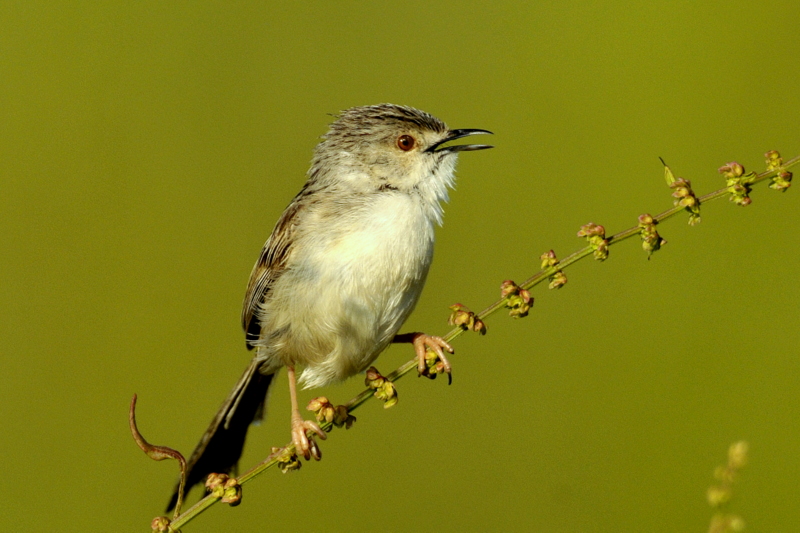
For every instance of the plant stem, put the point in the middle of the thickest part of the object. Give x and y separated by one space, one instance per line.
407 367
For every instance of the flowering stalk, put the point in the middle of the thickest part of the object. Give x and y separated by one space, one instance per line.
517 298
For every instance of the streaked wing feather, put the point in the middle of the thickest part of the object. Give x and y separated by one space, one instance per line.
269 266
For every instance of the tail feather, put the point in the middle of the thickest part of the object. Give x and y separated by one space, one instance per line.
221 445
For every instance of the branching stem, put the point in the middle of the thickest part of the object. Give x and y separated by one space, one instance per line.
407 367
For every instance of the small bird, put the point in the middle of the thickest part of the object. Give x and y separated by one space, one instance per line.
342 270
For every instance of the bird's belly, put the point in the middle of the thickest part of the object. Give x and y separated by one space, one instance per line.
340 305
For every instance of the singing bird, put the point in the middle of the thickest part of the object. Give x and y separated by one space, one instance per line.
342 270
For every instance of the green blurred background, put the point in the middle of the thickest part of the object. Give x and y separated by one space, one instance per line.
147 148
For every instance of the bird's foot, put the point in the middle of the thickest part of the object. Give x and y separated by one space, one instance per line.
304 444
430 355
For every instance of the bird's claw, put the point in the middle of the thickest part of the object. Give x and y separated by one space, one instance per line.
422 344
304 444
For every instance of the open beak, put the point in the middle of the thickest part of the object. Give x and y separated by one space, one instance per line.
457 134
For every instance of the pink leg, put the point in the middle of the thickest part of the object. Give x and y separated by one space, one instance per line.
302 444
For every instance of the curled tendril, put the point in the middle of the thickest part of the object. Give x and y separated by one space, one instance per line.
159 453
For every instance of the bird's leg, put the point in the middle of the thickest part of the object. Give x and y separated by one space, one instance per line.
422 343
303 445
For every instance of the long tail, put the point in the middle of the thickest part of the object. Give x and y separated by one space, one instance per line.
221 445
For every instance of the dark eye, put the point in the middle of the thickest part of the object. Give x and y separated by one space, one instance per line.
406 142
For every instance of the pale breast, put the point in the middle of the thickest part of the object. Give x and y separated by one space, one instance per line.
349 288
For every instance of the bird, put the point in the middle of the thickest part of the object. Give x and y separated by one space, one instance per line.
341 271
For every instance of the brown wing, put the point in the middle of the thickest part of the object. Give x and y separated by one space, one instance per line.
269 266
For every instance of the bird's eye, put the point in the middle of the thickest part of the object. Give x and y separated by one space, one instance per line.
406 142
